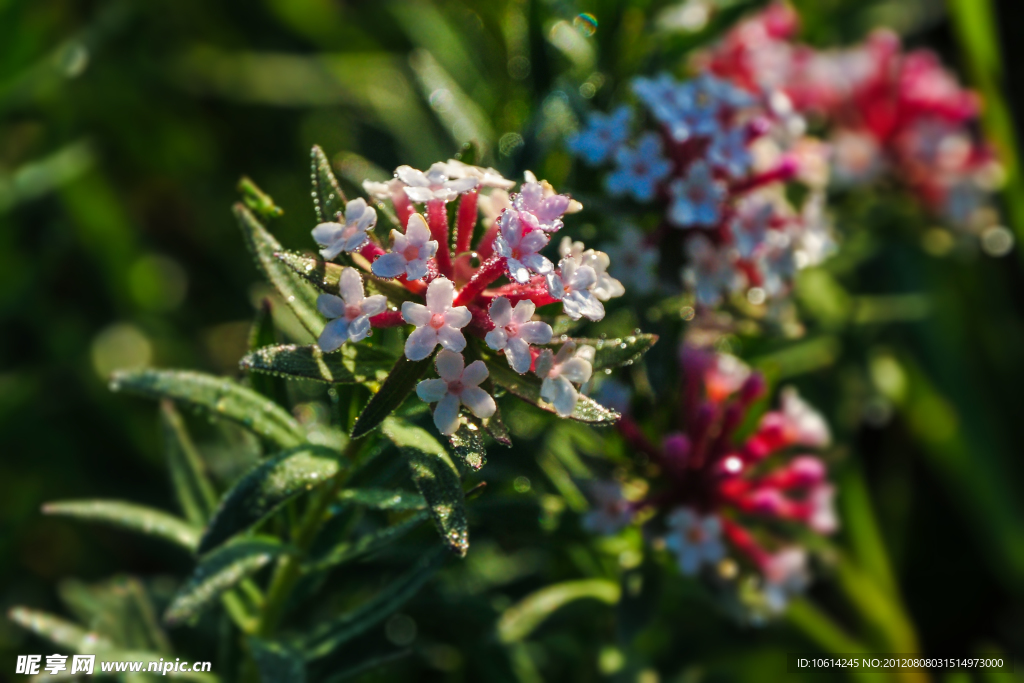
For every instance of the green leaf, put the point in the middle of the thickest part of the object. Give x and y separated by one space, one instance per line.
262 335
193 490
612 353
366 544
258 201
396 388
436 478
352 363
129 516
527 388
371 663
468 443
59 631
267 487
520 620
217 396
326 277
276 662
384 499
299 296
331 635
220 571
119 609
328 199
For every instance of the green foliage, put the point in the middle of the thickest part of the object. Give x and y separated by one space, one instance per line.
349 365
613 353
527 388
396 388
521 619
130 516
195 493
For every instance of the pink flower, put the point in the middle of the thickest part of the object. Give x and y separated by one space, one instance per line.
409 253
694 539
434 184
560 372
514 331
336 238
351 312
519 245
456 386
437 322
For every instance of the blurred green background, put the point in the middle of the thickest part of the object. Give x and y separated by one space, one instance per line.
124 127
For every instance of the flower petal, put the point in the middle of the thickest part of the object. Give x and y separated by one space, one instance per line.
416 269
359 328
450 338
389 265
326 234
524 310
478 401
449 365
446 414
372 305
415 314
419 194
411 176
535 332
330 306
420 343
475 373
440 293
351 286
462 184
432 390
517 352
334 335
500 311
458 317
517 271
577 370
416 230
496 339
560 394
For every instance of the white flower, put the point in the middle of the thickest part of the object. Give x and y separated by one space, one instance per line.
697 198
336 238
573 284
633 260
602 136
777 262
457 386
519 245
729 151
514 332
492 204
539 207
639 170
351 312
437 322
409 253
434 184
785 575
385 190
823 513
560 372
605 287
710 271
815 243
487 177
611 510
805 425
694 540
749 225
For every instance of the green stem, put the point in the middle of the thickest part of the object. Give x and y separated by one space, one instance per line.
289 568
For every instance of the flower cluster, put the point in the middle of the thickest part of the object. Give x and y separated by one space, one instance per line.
714 491
452 287
717 165
888 110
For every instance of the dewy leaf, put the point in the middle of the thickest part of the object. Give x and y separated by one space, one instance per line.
217 396
258 201
265 488
59 631
436 478
326 276
119 609
521 619
129 516
396 388
276 662
193 490
331 635
262 335
299 296
528 388
352 363
383 499
468 443
328 199
611 353
366 544
219 571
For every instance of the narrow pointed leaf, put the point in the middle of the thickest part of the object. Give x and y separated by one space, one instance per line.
129 516
494 424
265 488
366 544
220 571
276 662
59 631
351 364
299 296
262 335
371 663
468 443
326 277
396 388
119 609
328 637
436 478
258 201
520 620
328 199
192 488
612 353
527 388
384 499
217 396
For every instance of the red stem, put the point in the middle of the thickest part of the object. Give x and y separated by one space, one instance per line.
486 245
371 251
387 319
488 273
465 222
437 219
786 170
745 543
403 207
